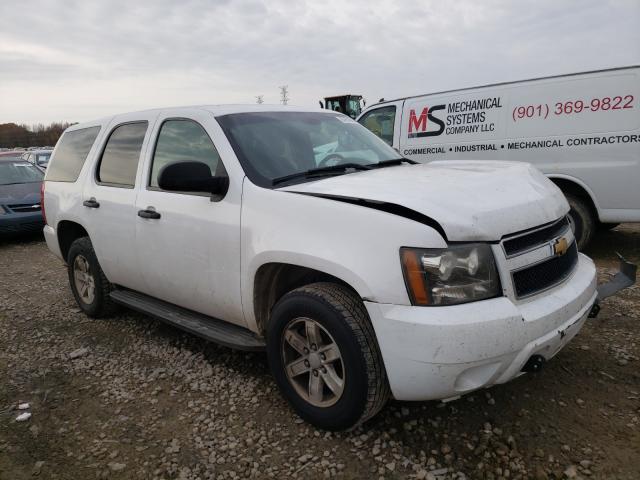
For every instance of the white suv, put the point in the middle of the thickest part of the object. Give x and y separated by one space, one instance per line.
300 232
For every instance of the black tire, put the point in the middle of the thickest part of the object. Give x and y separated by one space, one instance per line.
582 218
342 314
102 305
605 227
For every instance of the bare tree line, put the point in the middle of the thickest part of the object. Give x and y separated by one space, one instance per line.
39 135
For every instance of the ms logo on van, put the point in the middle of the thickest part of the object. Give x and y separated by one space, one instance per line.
418 124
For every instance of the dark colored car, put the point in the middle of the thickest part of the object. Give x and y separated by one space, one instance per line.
20 209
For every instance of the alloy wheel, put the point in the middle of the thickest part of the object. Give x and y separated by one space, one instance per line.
313 362
83 279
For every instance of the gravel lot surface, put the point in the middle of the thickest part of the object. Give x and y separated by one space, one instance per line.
129 397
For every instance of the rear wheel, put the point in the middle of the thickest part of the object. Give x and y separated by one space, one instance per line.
88 283
324 356
582 219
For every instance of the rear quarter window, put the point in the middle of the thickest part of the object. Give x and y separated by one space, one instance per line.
71 154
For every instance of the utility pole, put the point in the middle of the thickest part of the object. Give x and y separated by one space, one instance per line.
259 99
284 94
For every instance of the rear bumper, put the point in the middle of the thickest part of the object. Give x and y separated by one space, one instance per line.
442 352
14 223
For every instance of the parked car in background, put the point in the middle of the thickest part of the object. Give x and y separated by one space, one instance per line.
581 130
20 209
39 158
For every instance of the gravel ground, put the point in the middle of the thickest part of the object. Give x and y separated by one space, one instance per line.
129 398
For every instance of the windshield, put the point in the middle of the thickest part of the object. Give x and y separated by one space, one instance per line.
272 145
19 172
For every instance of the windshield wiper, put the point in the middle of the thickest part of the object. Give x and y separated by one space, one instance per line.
319 172
393 162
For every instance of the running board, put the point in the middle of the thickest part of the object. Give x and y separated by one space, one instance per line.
209 328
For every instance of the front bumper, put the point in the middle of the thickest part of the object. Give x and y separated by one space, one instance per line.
442 352
14 223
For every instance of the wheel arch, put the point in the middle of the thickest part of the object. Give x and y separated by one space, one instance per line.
576 187
274 279
67 232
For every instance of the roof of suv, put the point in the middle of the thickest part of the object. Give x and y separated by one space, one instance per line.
216 110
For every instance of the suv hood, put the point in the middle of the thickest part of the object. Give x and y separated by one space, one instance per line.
470 200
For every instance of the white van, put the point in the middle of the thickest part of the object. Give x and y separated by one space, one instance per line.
581 130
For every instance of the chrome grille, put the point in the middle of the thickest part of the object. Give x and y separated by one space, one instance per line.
540 258
546 274
25 207
524 242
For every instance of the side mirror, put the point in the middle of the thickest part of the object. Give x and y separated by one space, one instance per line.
321 104
192 177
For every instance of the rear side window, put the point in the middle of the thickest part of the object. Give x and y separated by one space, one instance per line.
184 141
119 161
381 122
71 154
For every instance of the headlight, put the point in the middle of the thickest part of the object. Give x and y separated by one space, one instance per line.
3 210
449 276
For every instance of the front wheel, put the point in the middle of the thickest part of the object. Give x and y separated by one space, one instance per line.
324 356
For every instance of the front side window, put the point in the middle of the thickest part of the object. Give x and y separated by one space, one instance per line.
381 122
71 153
184 140
120 157
271 145
12 173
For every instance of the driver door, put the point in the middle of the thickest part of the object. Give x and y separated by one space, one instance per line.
188 246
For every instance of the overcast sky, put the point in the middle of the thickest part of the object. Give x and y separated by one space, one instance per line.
77 60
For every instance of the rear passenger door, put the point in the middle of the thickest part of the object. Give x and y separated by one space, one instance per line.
190 252
109 201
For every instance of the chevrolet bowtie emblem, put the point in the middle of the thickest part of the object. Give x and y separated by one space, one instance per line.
561 246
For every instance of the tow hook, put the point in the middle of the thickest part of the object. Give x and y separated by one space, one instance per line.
534 364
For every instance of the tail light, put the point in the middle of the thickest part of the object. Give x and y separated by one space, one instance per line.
44 215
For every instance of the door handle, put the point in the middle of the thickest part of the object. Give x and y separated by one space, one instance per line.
149 212
91 203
